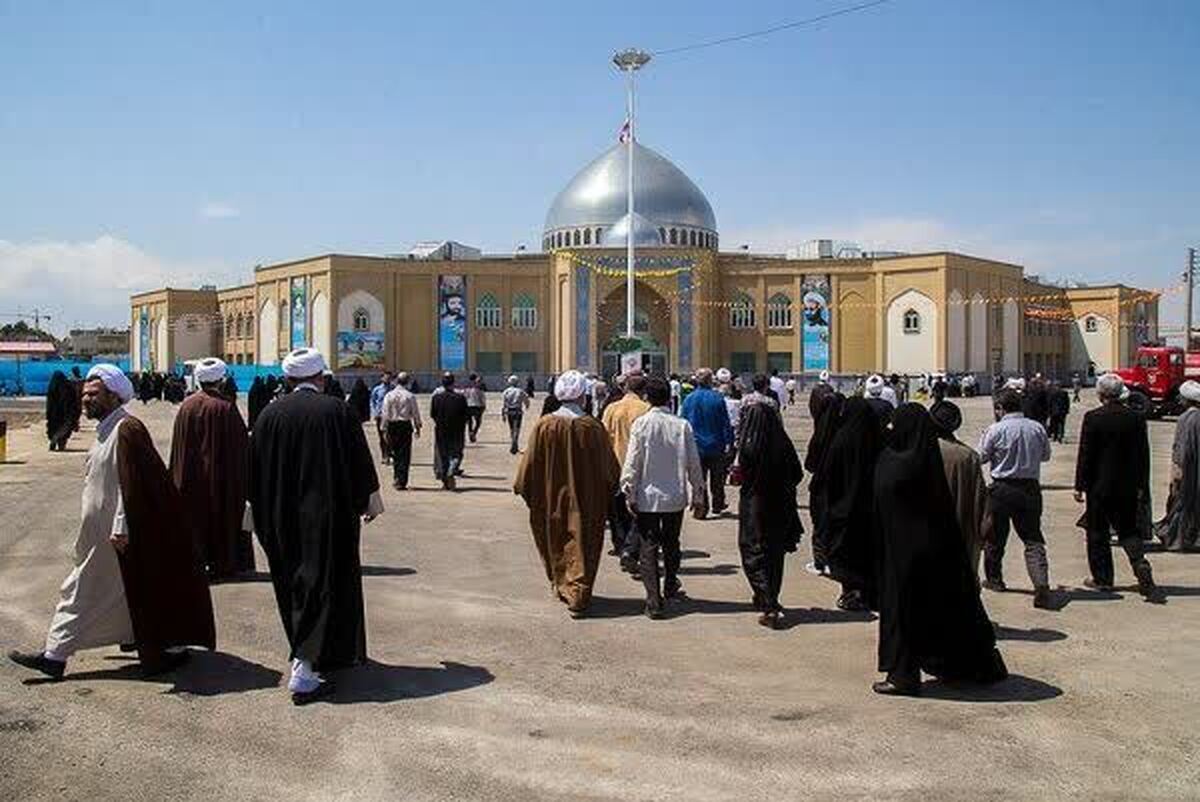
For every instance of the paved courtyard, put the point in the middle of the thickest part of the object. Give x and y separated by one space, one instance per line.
481 687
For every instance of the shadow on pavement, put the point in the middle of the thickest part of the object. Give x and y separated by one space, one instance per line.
387 570
380 682
723 569
694 554
1016 688
204 674
1034 635
795 617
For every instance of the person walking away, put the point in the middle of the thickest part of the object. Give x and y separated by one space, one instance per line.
769 526
882 408
790 386
1035 401
401 418
705 410
312 484
513 403
136 578
778 387
360 400
826 411
567 477
848 471
476 404
760 392
964 476
1014 449
930 615
62 410
530 387
1059 402
1076 383
1112 467
618 422
661 462
210 463
378 393
1179 530
450 415
676 392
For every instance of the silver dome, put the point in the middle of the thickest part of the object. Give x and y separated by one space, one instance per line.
644 232
662 193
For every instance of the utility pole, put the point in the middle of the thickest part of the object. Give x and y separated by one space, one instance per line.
1190 276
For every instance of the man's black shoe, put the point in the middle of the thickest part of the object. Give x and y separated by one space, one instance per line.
889 688
321 691
39 662
165 664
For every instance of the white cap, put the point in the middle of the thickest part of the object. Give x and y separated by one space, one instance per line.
724 376
570 386
1016 383
209 370
875 385
115 380
1190 390
302 363
823 376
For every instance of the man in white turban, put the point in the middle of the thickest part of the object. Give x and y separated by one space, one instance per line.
567 476
210 456
312 484
135 580
1179 530
882 408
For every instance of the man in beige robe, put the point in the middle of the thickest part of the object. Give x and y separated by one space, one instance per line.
567 476
618 421
135 579
964 474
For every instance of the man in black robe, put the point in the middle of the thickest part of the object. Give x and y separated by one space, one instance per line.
930 614
1035 401
333 387
256 399
62 410
826 408
312 480
848 471
448 410
1060 406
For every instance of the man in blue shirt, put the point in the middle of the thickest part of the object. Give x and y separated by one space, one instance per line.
377 394
704 408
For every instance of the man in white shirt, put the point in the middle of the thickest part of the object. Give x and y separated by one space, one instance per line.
660 463
779 387
401 418
513 403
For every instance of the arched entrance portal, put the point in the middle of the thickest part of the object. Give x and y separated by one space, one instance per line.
651 324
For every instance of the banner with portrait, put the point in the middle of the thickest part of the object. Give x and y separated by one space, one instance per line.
298 308
360 350
452 322
144 356
817 317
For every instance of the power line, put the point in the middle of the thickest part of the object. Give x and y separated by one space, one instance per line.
768 31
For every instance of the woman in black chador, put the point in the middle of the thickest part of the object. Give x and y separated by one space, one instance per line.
930 616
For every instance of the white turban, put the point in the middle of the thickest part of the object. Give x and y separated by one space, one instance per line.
302 363
823 376
875 385
1190 390
1017 384
116 381
724 376
571 385
513 380
209 370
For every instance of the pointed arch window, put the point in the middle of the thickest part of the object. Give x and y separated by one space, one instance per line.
362 319
779 311
912 322
1090 325
674 237
524 311
741 312
488 312
587 236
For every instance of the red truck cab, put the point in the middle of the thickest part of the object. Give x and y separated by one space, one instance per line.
1157 373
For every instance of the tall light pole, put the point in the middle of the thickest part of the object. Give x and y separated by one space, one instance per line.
1190 277
629 61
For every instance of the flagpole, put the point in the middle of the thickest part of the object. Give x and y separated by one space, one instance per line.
629 62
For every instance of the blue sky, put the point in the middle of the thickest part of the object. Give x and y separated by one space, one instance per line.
152 143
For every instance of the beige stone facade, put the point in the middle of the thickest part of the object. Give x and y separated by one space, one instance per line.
542 313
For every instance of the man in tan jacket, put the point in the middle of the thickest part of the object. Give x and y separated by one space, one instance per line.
964 474
618 421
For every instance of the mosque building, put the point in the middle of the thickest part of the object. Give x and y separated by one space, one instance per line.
446 306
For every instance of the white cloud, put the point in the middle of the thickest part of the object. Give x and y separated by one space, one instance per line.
219 211
89 283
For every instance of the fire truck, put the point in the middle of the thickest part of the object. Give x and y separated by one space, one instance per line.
1157 372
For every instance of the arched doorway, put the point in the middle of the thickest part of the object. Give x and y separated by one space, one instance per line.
651 325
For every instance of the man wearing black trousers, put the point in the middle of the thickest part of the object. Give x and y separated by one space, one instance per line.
1112 468
400 417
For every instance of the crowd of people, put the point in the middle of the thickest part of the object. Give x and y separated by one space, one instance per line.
903 512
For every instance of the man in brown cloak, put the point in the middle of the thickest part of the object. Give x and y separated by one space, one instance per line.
210 460
964 474
567 476
136 578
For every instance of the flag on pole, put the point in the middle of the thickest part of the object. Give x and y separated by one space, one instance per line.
626 132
